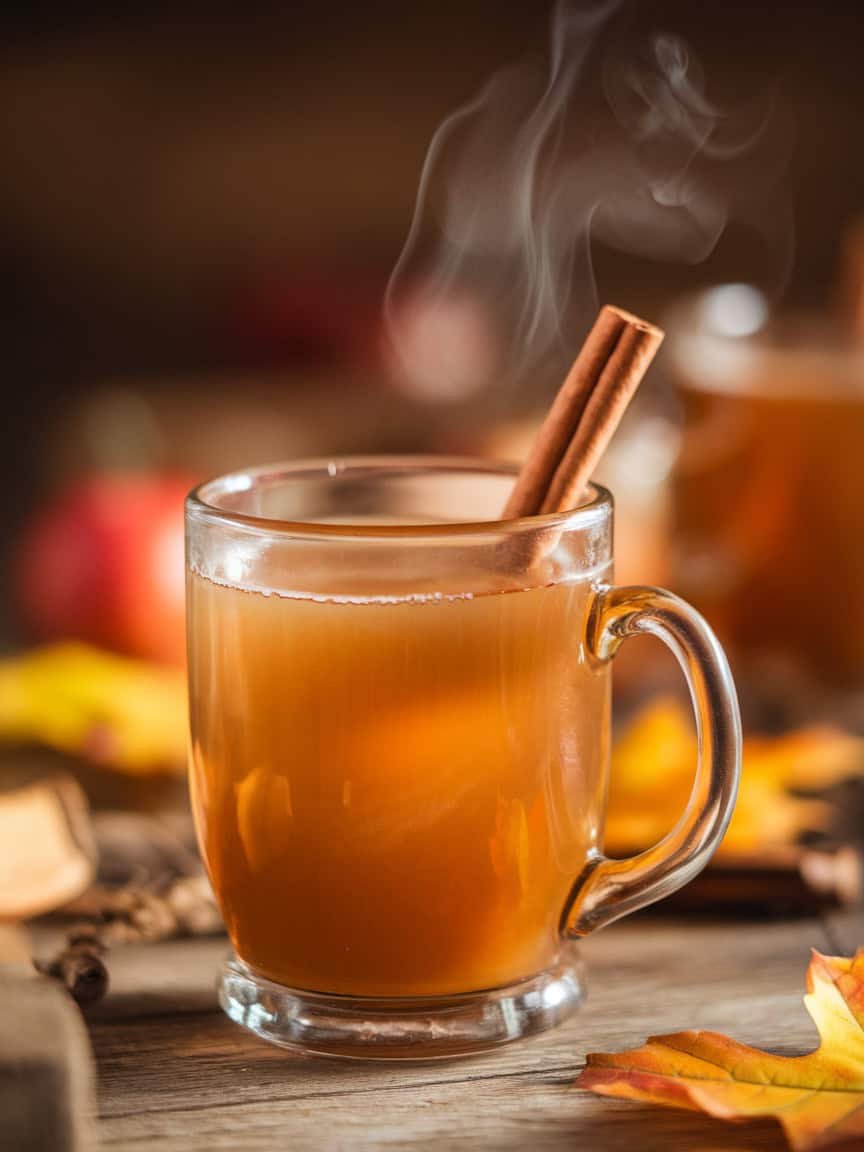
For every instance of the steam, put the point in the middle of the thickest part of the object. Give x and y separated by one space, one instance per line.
496 276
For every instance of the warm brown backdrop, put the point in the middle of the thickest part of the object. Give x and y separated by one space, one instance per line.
157 156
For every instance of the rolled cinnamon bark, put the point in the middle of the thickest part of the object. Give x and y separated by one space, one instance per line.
585 414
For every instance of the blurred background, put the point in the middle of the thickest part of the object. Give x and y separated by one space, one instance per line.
200 210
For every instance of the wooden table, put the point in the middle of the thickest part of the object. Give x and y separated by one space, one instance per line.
175 1074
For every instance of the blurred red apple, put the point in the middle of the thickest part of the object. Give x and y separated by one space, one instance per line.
103 562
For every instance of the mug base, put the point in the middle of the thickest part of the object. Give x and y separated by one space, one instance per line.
401 1027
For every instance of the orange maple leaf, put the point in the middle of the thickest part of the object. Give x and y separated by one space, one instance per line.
652 775
818 1098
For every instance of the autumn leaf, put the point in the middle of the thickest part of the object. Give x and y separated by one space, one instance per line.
818 1098
125 714
654 759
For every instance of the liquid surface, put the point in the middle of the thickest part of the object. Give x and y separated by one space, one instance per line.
395 798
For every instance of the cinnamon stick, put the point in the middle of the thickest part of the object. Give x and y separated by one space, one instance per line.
585 414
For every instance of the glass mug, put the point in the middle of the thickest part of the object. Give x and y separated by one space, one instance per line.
773 436
400 715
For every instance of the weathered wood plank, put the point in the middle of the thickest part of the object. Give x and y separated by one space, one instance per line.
173 1069
537 1113
46 1067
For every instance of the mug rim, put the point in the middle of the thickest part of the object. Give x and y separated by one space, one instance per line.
200 503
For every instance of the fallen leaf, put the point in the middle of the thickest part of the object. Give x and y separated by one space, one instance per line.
808 758
125 714
818 1098
653 763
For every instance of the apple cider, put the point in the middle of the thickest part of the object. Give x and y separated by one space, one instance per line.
395 795
768 503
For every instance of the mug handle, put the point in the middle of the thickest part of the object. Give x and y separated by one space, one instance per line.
610 888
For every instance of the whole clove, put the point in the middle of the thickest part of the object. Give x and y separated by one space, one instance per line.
183 907
80 965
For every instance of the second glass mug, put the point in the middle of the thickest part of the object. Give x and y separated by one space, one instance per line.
400 715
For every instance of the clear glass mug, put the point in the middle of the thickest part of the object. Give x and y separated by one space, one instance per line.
773 435
400 714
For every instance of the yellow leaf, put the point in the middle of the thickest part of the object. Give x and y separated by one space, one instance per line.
652 773
123 713
809 759
653 763
818 1098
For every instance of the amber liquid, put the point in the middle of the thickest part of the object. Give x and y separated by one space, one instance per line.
395 798
769 523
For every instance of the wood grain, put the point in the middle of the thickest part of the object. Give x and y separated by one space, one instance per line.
46 1067
173 1070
